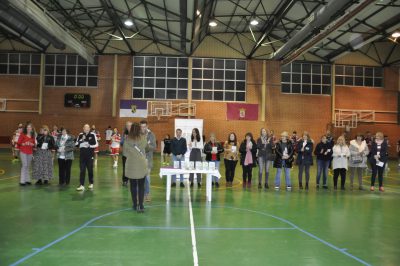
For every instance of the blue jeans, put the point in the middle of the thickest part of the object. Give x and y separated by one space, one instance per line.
263 163
147 184
278 177
175 159
215 178
322 168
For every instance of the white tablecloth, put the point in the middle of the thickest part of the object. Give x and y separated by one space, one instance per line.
170 171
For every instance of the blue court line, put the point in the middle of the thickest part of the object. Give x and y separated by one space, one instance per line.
87 224
341 250
188 228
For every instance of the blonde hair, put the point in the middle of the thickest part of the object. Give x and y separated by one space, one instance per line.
212 134
284 134
341 138
379 134
45 127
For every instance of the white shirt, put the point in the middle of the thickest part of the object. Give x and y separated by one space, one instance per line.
340 156
109 133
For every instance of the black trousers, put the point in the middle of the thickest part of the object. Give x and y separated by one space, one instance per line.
342 173
124 178
64 171
247 172
86 162
195 155
137 187
377 170
230 166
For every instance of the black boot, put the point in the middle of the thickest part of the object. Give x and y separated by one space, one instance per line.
300 185
39 182
306 185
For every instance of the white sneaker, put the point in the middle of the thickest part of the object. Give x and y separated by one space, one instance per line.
80 188
90 186
276 188
115 165
288 188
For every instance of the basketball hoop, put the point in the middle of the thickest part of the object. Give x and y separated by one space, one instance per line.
3 104
159 112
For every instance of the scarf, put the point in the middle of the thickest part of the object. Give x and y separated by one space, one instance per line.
361 147
249 157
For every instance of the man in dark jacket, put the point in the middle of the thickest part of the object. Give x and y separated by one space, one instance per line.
86 142
178 150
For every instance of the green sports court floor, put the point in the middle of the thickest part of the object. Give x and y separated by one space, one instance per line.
59 226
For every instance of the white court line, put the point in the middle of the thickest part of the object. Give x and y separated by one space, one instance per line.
192 232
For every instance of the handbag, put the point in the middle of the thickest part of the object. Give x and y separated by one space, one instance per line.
356 159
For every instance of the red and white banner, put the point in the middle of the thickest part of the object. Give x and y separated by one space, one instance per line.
242 111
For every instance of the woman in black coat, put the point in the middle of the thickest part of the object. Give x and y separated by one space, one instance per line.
248 158
304 160
378 158
284 159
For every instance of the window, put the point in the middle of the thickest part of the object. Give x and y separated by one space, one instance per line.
160 77
219 79
19 64
362 76
70 70
306 78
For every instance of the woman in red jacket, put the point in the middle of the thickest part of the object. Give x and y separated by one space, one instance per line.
26 143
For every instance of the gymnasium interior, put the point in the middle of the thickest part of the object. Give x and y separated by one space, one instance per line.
301 65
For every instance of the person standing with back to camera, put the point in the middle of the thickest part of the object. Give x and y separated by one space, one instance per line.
87 143
195 147
124 136
135 147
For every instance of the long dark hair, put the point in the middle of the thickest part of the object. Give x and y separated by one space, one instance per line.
234 139
25 131
134 133
197 134
250 135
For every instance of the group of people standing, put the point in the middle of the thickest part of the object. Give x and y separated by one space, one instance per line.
268 151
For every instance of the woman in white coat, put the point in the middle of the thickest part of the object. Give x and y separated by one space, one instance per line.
358 159
340 155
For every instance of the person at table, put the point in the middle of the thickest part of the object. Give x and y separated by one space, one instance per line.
213 149
178 150
136 167
195 146
230 158
248 150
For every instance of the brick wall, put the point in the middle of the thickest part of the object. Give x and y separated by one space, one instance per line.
283 111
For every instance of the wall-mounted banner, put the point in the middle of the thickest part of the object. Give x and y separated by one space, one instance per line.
241 111
133 108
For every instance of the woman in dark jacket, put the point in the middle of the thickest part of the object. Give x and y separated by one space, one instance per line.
213 149
284 159
378 158
323 151
248 158
42 157
65 154
304 160
266 156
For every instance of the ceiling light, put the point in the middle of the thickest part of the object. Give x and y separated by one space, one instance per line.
212 23
396 34
254 22
128 23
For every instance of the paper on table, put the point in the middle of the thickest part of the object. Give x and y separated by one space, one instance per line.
205 165
211 166
176 164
